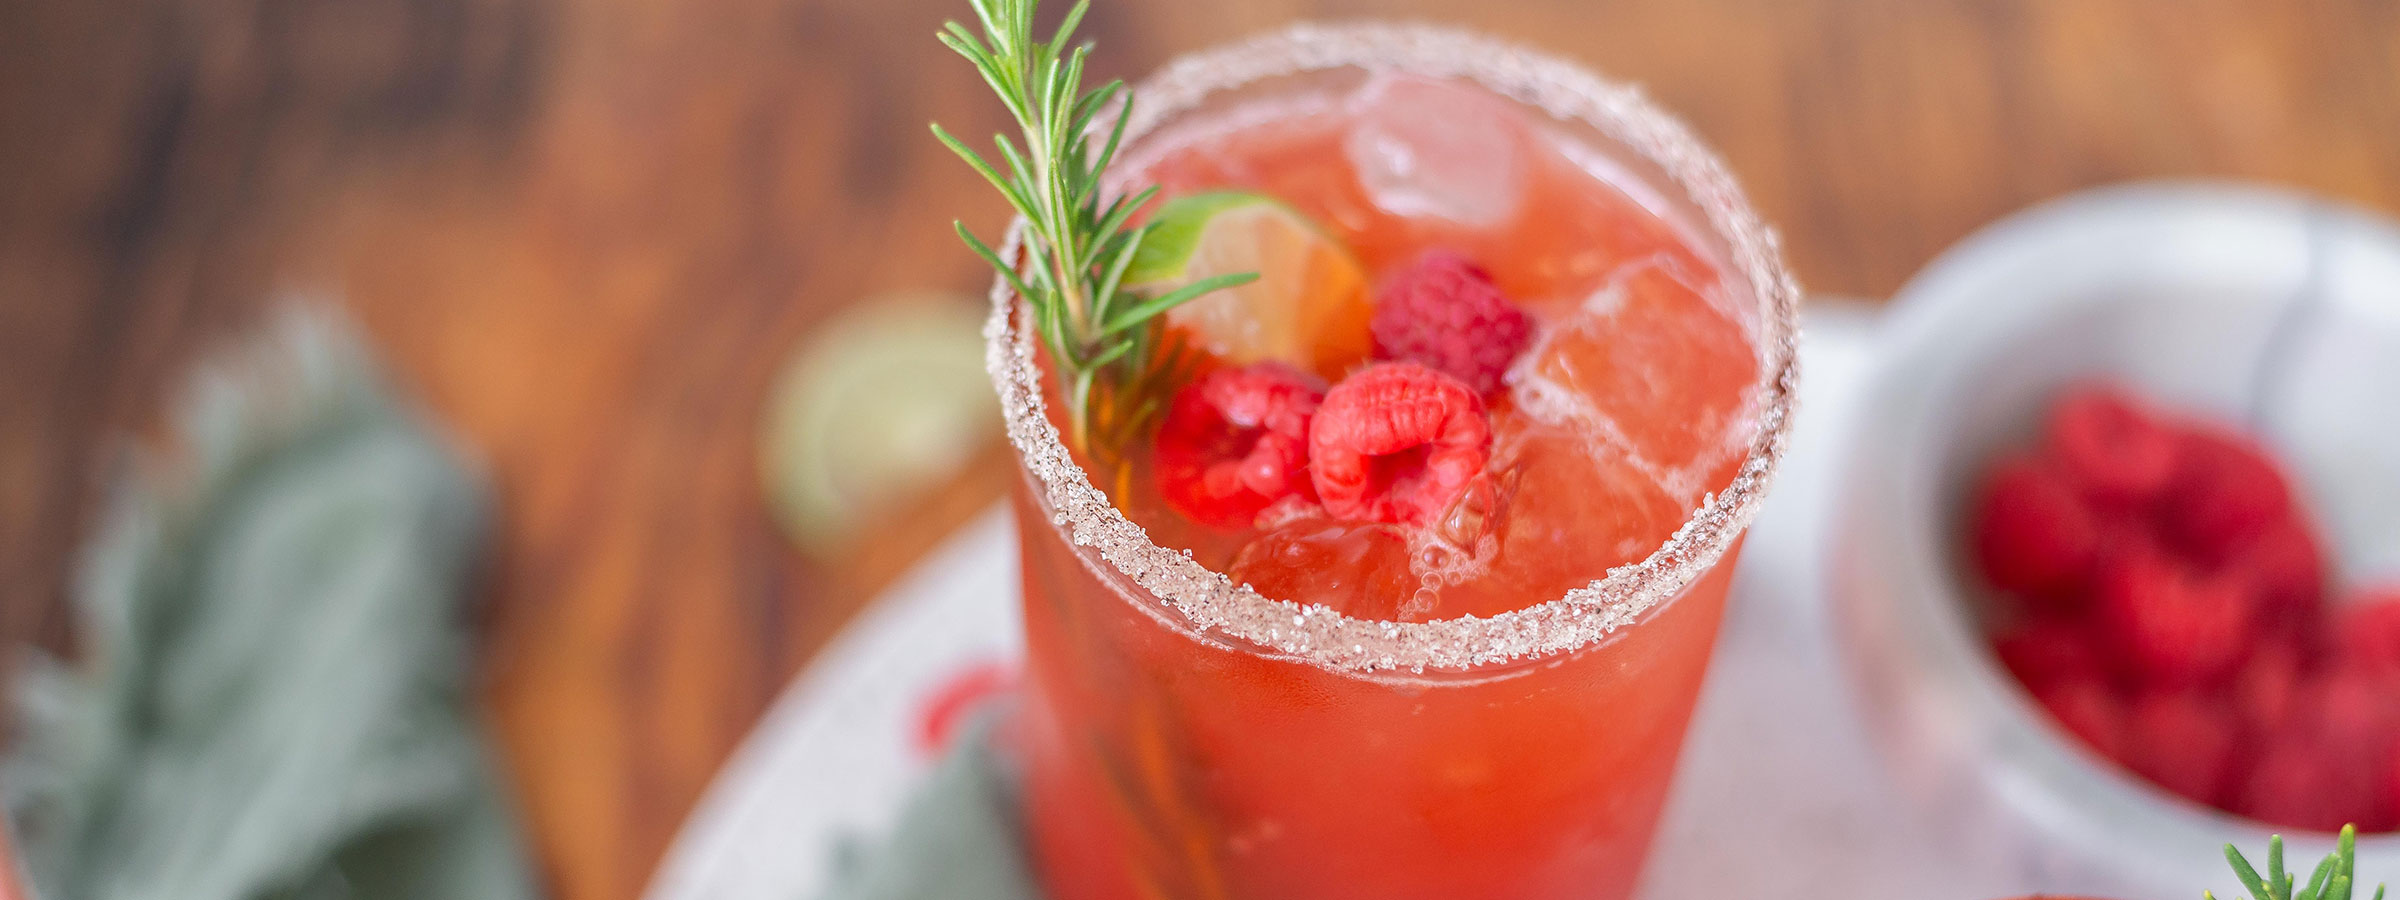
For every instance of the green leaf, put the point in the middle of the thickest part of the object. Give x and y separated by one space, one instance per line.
985 13
2334 878
1067 97
2348 851
1066 26
1109 290
1112 354
984 250
1090 106
1116 136
1175 232
975 160
1020 25
1020 173
957 37
2275 874
2316 882
1142 312
1121 210
1078 251
2249 876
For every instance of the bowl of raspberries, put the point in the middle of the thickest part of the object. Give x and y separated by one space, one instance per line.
2116 556
2157 585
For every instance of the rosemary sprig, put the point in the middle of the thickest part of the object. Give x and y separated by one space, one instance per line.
1106 341
2332 879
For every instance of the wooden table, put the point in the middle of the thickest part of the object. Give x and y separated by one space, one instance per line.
585 231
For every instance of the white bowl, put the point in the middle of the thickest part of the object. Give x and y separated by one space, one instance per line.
2239 302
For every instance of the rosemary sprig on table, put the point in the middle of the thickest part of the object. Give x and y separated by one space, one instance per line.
1105 340
2332 880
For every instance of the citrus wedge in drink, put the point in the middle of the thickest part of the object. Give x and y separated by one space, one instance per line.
1309 306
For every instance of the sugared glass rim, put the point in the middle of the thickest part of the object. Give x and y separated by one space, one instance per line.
1209 601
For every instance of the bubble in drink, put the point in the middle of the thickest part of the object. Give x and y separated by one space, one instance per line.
1426 148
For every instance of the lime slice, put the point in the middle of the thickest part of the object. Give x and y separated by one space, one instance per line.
889 397
1309 306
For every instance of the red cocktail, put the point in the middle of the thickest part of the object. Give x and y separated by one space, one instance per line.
1453 663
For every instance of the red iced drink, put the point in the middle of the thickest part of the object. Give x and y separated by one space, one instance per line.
1458 667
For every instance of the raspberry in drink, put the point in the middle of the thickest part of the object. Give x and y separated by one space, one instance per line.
1411 588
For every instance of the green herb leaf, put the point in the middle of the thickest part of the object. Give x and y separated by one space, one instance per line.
1079 255
2333 879
1148 309
1175 232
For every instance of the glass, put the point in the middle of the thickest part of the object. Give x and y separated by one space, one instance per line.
1185 737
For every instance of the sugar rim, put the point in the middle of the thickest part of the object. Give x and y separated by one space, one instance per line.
1209 601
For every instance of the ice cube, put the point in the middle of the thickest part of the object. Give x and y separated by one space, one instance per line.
1658 363
1582 505
1425 147
1359 569
1573 505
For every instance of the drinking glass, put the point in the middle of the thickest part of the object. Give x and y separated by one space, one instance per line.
1184 737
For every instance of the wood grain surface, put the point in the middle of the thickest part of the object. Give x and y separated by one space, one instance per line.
585 232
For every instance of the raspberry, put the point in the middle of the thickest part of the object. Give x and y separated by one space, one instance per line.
2267 689
2110 447
2285 571
1397 442
2032 534
2370 631
2350 713
2391 789
2046 651
2089 711
2183 742
1234 441
2352 708
2226 491
2173 625
1443 311
2298 783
